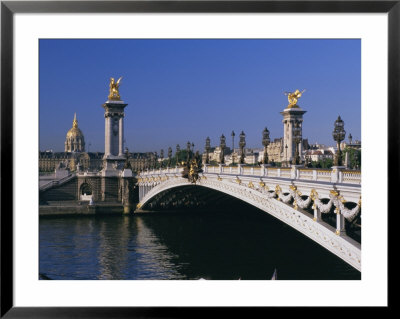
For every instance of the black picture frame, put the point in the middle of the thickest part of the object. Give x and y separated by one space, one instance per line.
9 8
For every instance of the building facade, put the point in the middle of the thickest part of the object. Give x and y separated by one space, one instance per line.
74 141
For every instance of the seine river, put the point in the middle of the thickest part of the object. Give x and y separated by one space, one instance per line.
221 245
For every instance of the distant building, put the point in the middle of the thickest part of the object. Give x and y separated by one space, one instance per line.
351 144
318 155
93 161
74 155
49 161
75 141
216 152
251 156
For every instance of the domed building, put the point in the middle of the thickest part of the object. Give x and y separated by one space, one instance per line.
75 141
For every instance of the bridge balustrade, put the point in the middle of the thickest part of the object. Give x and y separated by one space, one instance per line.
353 177
273 172
294 173
307 174
324 175
284 172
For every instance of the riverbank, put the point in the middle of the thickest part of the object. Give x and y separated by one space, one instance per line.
80 208
77 208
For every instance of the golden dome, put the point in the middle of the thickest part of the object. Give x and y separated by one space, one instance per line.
74 131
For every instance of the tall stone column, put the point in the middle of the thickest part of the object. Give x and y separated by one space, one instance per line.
290 141
301 142
121 136
114 159
284 140
107 143
114 137
114 129
290 116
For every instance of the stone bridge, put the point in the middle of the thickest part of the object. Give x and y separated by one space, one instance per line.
297 196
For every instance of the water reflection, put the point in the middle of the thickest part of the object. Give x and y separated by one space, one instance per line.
112 253
154 259
213 245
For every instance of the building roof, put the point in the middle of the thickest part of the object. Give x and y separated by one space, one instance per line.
74 131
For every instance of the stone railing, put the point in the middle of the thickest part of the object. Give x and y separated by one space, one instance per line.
285 172
296 172
352 177
56 182
88 173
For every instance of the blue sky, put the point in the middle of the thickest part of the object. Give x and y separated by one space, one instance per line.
186 90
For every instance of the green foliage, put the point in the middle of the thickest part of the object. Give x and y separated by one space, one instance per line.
354 157
176 158
325 163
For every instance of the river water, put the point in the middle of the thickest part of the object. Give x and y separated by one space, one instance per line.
220 245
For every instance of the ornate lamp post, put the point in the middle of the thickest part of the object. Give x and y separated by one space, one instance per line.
178 150
286 160
297 140
242 144
188 151
233 146
207 148
161 157
154 164
169 156
265 142
222 145
338 135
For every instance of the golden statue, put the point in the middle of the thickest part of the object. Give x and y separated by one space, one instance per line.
193 171
293 97
114 87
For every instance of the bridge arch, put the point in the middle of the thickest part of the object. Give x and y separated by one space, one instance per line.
85 189
319 231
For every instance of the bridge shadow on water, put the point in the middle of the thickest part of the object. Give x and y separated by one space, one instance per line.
243 242
225 239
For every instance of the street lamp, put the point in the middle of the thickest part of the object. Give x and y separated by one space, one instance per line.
265 142
242 144
188 151
338 135
154 160
207 148
286 159
297 140
178 150
233 146
161 157
222 146
169 156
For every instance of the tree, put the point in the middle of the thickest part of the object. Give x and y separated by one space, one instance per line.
354 157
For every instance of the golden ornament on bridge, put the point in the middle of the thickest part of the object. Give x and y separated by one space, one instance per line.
293 98
114 89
